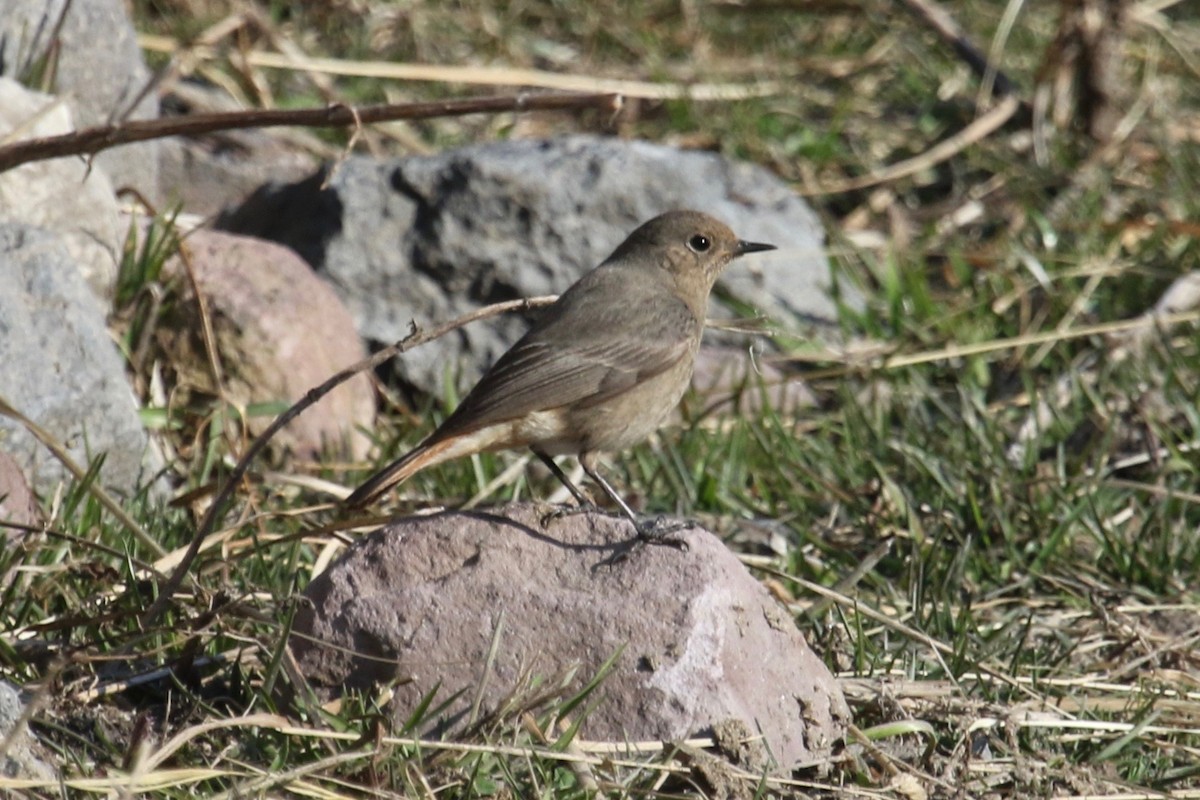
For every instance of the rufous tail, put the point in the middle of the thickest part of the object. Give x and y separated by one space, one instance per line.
400 470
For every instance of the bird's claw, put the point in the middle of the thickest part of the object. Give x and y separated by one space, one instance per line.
653 531
659 530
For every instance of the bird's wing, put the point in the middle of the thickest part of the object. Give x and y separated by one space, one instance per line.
581 356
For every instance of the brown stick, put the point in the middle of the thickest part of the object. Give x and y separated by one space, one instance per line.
92 140
415 339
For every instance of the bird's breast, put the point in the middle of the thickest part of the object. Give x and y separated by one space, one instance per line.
627 418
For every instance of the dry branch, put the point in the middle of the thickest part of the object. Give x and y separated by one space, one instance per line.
90 141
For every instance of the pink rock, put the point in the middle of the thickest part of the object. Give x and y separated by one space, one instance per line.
281 331
698 642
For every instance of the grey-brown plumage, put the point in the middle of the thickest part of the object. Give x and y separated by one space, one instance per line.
602 367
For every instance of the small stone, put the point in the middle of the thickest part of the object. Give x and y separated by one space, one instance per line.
281 331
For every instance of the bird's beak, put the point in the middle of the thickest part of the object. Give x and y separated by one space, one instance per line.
751 247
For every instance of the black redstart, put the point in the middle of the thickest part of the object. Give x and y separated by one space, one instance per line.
600 369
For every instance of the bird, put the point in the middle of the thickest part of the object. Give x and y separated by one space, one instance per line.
599 370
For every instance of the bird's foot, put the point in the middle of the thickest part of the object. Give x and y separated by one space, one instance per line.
651 531
659 530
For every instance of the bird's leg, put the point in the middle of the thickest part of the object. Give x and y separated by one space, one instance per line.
656 530
585 503
556 470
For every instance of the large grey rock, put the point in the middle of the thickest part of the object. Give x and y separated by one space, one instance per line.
425 239
61 194
59 367
698 642
97 68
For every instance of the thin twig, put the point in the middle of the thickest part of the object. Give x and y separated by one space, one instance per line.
207 333
93 140
415 339
979 129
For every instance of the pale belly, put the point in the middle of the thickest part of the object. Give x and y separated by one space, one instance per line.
622 421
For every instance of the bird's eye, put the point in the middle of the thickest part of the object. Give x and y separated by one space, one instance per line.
699 243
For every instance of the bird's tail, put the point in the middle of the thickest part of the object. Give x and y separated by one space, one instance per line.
400 470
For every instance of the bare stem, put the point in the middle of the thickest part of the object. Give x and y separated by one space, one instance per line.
93 140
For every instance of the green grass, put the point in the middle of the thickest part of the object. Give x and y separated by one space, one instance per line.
978 587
